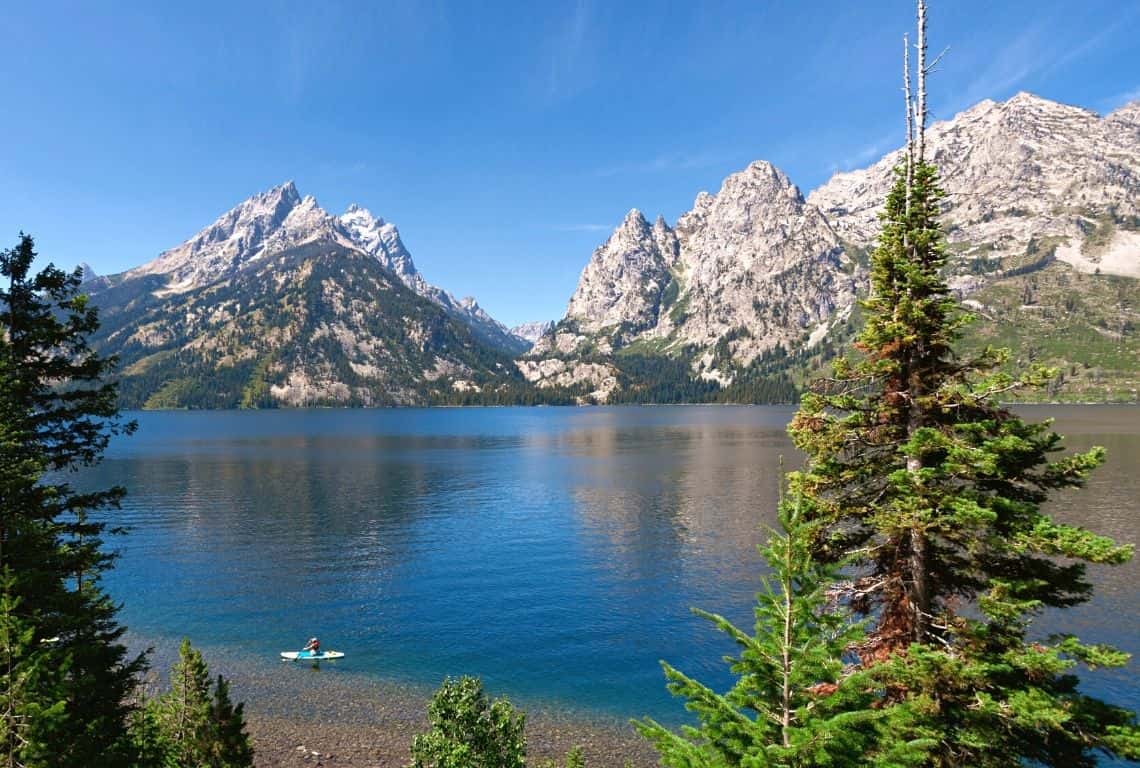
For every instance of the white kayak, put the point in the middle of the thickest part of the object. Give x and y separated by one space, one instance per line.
310 656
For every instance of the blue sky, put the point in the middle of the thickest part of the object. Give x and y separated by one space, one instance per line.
504 139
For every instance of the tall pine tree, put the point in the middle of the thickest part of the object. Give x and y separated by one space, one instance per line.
66 676
934 490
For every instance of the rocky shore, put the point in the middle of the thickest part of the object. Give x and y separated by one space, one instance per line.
384 743
325 715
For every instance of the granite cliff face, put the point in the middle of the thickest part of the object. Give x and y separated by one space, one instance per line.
533 331
1028 169
1032 187
747 270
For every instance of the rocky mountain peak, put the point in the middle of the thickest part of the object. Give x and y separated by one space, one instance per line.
305 221
284 194
752 263
279 219
237 236
625 276
1027 168
634 222
759 186
1126 120
380 239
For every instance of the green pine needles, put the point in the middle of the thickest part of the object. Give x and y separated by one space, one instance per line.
797 702
67 677
67 682
932 492
193 724
928 493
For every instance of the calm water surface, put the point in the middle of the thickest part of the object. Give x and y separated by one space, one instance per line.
555 552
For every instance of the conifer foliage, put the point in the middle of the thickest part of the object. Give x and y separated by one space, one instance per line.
66 676
792 704
934 490
194 724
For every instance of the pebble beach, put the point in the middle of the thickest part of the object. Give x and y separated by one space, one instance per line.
300 714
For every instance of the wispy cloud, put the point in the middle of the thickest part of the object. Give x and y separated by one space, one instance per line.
569 53
668 161
1120 99
1035 53
585 228
304 32
870 153
1028 53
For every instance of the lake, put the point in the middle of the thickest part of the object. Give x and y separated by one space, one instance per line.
553 551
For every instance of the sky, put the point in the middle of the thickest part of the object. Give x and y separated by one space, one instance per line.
504 139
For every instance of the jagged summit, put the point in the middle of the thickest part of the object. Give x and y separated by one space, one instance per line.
280 218
272 220
1027 167
533 331
381 239
757 265
1126 119
625 276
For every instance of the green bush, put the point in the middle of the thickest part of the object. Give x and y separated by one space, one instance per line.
468 730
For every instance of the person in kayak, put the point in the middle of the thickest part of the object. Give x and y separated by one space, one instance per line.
313 646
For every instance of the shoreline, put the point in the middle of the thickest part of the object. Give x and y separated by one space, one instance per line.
304 715
385 742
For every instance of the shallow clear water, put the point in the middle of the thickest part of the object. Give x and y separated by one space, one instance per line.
553 551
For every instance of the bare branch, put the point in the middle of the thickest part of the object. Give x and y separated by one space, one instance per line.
932 66
920 106
909 122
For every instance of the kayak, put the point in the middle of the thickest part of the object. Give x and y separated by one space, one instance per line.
310 656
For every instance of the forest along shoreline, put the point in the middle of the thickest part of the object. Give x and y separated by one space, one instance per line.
301 716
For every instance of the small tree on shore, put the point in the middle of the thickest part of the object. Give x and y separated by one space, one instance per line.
192 726
468 730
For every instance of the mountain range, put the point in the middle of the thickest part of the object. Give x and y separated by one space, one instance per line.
1042 215
279 302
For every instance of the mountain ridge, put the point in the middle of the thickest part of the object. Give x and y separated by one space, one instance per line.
742 298
762 271
278 302
280 218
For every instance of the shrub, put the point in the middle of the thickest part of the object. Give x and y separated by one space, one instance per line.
468 730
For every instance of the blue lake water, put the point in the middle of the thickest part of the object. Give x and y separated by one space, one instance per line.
553 551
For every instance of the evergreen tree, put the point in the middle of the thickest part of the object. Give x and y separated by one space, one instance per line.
184 711
468 730
230 747
934 490
191 727
27 708
794 704
62 639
